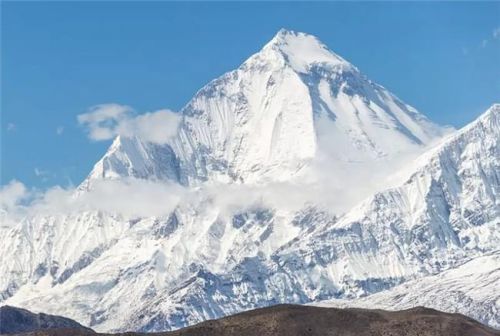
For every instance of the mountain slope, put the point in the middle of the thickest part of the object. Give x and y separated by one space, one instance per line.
446 212
472 288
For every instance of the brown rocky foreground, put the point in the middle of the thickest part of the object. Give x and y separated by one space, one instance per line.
296 320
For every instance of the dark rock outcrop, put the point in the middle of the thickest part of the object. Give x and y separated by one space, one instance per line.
16 320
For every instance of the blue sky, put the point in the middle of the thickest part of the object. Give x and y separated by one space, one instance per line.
60 58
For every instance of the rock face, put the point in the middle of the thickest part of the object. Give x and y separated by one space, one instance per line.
16 320
296 320
294 119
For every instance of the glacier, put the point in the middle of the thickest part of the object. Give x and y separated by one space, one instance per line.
298 179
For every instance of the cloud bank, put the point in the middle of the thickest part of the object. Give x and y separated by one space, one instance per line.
129 198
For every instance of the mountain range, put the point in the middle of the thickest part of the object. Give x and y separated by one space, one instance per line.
299 180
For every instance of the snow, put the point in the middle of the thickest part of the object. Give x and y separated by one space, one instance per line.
276 160
472 289
302 50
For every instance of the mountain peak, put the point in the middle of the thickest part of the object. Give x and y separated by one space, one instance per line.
302 50
286 106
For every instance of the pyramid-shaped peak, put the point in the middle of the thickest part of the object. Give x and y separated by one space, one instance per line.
301 50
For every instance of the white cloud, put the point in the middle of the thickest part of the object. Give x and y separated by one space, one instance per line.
323 184
106 121
59 130
102 120
132 197
129 198
11 127
12 195
137 198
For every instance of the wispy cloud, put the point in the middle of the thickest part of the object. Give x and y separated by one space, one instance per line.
495 36
11 127
39 172
106 121
42 174
496 33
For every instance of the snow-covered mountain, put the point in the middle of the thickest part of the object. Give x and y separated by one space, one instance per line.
268 119
292 113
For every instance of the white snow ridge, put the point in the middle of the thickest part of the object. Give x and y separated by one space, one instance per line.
297 180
